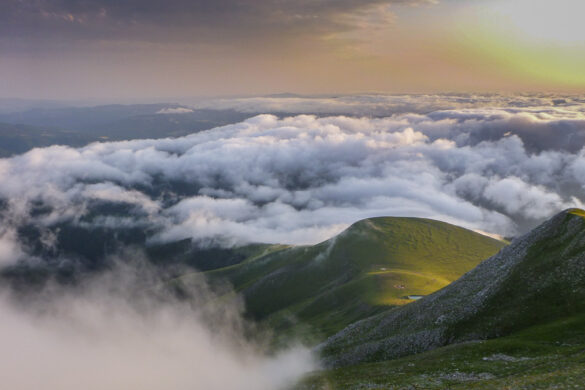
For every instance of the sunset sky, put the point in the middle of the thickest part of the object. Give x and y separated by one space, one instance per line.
149 49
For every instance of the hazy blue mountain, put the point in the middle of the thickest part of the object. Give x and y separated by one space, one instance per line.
16 139
77 126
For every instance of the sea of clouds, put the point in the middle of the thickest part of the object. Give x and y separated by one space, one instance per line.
490 163
302 179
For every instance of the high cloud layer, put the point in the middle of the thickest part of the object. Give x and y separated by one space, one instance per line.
302 179
182 20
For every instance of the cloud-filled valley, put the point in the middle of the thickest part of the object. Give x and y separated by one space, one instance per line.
302 179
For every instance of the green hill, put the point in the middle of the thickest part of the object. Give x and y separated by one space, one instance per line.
375 265
536 280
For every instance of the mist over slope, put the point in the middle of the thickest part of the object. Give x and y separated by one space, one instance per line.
127 328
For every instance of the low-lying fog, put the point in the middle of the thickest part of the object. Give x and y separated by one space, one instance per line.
121 330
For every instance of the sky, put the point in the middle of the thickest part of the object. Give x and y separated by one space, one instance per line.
72 49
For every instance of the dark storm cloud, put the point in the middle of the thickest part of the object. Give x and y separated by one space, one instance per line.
181 20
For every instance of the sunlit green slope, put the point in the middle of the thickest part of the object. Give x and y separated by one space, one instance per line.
374 265
539 278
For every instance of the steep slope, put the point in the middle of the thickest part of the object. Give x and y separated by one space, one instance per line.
536 279
374 265
549 356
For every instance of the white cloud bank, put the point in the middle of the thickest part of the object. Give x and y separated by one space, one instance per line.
380 105
300 180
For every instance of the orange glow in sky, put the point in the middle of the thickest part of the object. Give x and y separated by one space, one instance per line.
323 47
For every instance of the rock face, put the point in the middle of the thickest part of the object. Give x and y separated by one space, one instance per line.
537 278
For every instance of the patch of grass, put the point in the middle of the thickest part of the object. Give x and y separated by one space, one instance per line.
540 357
578 212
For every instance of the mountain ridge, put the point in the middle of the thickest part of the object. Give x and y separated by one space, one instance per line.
375 264
456 312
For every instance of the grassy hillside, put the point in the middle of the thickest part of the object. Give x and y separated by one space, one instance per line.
374 265
536 280
548 284
550 356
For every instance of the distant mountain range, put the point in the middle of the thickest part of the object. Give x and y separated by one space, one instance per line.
77 126
19 138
